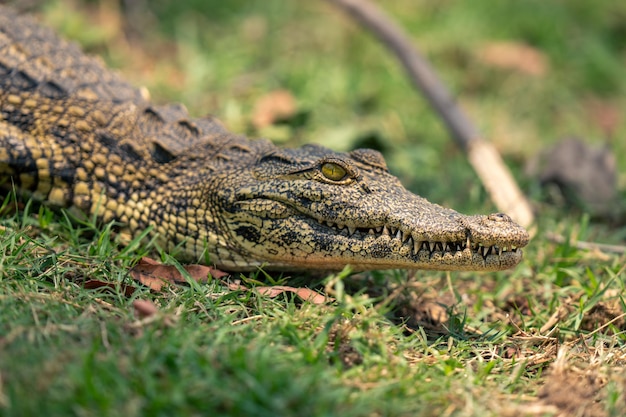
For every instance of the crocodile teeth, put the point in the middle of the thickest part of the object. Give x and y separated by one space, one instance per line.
351 230
417 245
371 232
392 230
379 229
431 246
385 231
399 235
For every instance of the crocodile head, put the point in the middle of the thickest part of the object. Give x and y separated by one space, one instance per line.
312 208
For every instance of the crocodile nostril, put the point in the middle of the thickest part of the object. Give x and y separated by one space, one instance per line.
499 217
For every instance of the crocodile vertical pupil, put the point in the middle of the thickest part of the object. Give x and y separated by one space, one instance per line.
333 171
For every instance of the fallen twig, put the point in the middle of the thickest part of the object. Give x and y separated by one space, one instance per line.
579 244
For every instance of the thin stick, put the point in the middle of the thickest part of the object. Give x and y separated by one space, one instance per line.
484 158
580 244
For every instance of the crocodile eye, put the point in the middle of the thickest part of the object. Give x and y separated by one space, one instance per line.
333 171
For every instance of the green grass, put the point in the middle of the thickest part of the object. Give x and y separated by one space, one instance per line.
548 333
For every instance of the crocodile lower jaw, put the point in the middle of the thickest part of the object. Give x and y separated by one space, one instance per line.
460 261
402 256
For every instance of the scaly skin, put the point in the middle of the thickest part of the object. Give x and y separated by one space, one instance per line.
74 135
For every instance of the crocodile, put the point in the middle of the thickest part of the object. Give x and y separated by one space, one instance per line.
75 135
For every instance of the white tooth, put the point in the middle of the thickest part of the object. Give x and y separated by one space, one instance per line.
431 246
385 231
379 229
392 230
370 232
416 245
467 244
500 251
405 236
351 230
399 234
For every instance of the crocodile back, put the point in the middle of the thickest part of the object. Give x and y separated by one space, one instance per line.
73 132
34 58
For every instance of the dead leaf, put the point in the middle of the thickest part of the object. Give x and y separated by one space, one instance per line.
514 56
304 293
93 284
155 275
145 308
272 107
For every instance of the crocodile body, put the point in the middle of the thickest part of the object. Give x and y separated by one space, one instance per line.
75 135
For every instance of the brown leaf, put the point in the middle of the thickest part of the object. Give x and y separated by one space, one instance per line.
514 56
201 272
145 308
276 290
149 261
93 284
154 275
304 293
274 106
